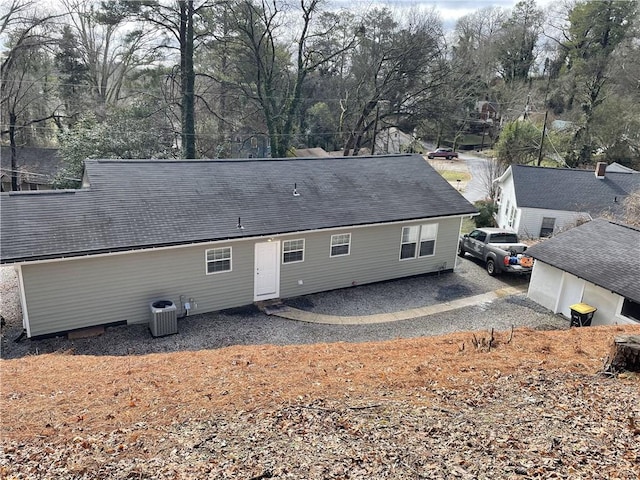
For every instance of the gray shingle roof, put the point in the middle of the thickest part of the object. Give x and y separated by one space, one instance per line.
146 203
601 252
572 190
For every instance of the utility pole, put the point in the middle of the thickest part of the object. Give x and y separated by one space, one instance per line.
526 107
546 111
375 129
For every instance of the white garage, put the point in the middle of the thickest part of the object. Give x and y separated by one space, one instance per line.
587 265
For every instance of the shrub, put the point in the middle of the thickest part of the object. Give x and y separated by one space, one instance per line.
487 210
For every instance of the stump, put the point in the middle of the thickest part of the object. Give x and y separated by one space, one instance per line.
625 354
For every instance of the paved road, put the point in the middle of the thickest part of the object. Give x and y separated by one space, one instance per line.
476 188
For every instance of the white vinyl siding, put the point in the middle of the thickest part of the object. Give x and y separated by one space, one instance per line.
293 251
340 244
545 288
218 260
531 219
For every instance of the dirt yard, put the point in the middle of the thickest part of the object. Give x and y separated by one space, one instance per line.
532 406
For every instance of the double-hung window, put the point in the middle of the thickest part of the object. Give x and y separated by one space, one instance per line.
340 244
418 241
428 234
409 242
218 260
293 251
548 224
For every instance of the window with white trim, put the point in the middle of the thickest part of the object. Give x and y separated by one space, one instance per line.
409 242
418 241
548 225
218 260
428 234
340 244
512 216
293 251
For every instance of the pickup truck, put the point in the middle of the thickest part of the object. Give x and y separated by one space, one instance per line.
499 249
447 153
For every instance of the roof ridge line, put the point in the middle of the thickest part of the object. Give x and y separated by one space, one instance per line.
42 192
238 160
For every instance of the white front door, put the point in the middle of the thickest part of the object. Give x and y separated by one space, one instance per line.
267 271
571 292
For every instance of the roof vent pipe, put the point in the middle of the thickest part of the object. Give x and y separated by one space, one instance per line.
601 169
295 190
239 225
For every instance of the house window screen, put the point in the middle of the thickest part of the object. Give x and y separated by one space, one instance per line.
218 260
293 251
340 244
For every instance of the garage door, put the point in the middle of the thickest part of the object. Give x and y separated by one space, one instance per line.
570 293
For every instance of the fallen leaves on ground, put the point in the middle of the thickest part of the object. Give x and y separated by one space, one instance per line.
532 407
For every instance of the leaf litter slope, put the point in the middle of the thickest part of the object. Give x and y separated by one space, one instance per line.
518 408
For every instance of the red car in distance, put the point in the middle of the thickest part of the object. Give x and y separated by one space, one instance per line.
447 153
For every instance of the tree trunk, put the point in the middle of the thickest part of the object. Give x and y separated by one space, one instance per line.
14 153
625 354
353 142
187 79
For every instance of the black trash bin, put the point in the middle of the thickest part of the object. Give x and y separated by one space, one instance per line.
582 314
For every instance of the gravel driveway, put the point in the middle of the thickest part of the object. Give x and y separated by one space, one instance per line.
248 326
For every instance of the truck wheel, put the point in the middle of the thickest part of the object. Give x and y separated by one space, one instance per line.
448 158
430 157
460 251
491 268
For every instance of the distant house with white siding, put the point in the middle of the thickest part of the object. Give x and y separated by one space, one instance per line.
592 264
222 234
540 201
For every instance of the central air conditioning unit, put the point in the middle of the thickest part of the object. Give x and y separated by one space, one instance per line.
164 318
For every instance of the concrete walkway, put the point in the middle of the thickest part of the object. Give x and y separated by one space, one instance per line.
311 317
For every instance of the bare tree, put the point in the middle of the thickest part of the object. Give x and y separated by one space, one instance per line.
272 73
631 205
396 69
476 36
109 48
491 169
26 87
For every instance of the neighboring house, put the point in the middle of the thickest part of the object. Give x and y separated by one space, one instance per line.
540 201
223 233
615 167
37 167
489 111
251 145
315 152
593 264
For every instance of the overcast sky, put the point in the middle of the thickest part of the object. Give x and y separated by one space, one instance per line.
449 10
